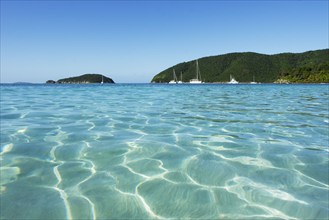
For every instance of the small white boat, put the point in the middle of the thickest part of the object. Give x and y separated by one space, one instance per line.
102 80
174 81
198 75
232 80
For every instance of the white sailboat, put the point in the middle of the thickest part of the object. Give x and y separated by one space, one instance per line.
102 80
174 78
232 80
181 78
253 82
198 74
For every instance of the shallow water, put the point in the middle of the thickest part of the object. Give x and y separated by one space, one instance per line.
164 151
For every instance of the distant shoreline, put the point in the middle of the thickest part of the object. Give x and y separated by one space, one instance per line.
183 84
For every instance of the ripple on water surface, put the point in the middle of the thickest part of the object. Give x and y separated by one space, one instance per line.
156 151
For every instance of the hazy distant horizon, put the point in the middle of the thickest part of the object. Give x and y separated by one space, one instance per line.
132 41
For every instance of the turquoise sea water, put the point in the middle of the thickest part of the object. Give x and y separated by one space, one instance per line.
164 151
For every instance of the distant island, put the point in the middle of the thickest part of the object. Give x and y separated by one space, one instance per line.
83 79
307 67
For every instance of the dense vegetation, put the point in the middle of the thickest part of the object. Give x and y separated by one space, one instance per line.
307 67
86 78
309 73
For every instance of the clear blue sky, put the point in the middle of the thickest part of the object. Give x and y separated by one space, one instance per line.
131 41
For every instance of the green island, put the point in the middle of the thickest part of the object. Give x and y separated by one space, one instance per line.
307 67
83 79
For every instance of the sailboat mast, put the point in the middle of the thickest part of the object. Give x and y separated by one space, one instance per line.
197 69
199 74
173 74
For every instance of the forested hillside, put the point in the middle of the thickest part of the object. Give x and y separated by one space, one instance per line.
87 78
307 67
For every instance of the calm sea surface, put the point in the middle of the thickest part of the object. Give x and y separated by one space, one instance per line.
164 151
